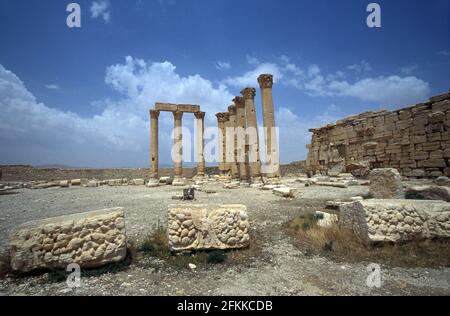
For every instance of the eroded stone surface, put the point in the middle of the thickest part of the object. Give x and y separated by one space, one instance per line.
386 184
89 239
194 227
396 220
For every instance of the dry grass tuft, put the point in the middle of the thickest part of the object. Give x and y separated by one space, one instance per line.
342 245
156 244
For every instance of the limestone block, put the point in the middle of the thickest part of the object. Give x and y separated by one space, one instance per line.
93 184
137 182
89 239
75 182
64 184
202 227
432 163
375 221
284 192
164 180
386 184
428 192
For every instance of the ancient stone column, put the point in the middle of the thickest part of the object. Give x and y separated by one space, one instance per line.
222 118
154 116
227 150
177 151
273 167
200 116
231 143
252 134
241 138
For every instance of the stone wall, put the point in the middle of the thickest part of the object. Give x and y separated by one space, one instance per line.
28 173
89 239
375 221
194 227
415 140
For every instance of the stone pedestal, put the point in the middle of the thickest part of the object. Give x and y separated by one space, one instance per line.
273 168
154 116
177 150
231 143
200 116
252 135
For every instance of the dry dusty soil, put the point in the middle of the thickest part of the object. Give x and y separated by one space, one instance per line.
276 267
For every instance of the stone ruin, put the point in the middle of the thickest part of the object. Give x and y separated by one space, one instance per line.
203 227
89 239
178 111
239 152
415 140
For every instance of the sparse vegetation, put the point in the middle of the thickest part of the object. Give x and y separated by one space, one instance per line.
156 244
342 245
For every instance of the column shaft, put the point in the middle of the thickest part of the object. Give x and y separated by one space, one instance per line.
252 133
154 156
177 152
232 144
266 84
241 138
200 116
222 118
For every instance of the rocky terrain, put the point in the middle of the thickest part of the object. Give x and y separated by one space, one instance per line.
272 266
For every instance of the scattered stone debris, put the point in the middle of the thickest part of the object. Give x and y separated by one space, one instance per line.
428 192
284 192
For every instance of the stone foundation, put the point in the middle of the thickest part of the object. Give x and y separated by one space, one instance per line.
196 227
415 140
89 239
375 221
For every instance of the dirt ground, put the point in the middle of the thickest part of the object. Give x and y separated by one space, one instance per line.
276 268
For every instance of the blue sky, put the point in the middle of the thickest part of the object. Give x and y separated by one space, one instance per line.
81 97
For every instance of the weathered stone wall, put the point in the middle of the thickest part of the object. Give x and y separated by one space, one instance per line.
193 227
89 239
396 220
28 173
415 140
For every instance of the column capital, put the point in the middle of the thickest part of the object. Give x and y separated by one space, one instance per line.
154 114
223 117
199 115
178 115
232 110
249 93
239 102
265 81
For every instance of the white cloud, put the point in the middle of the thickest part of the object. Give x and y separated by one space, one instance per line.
222 65
52 86
32 132
292 127
444 53
250 78
393 90
363 66
251 60
101 8
409 69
